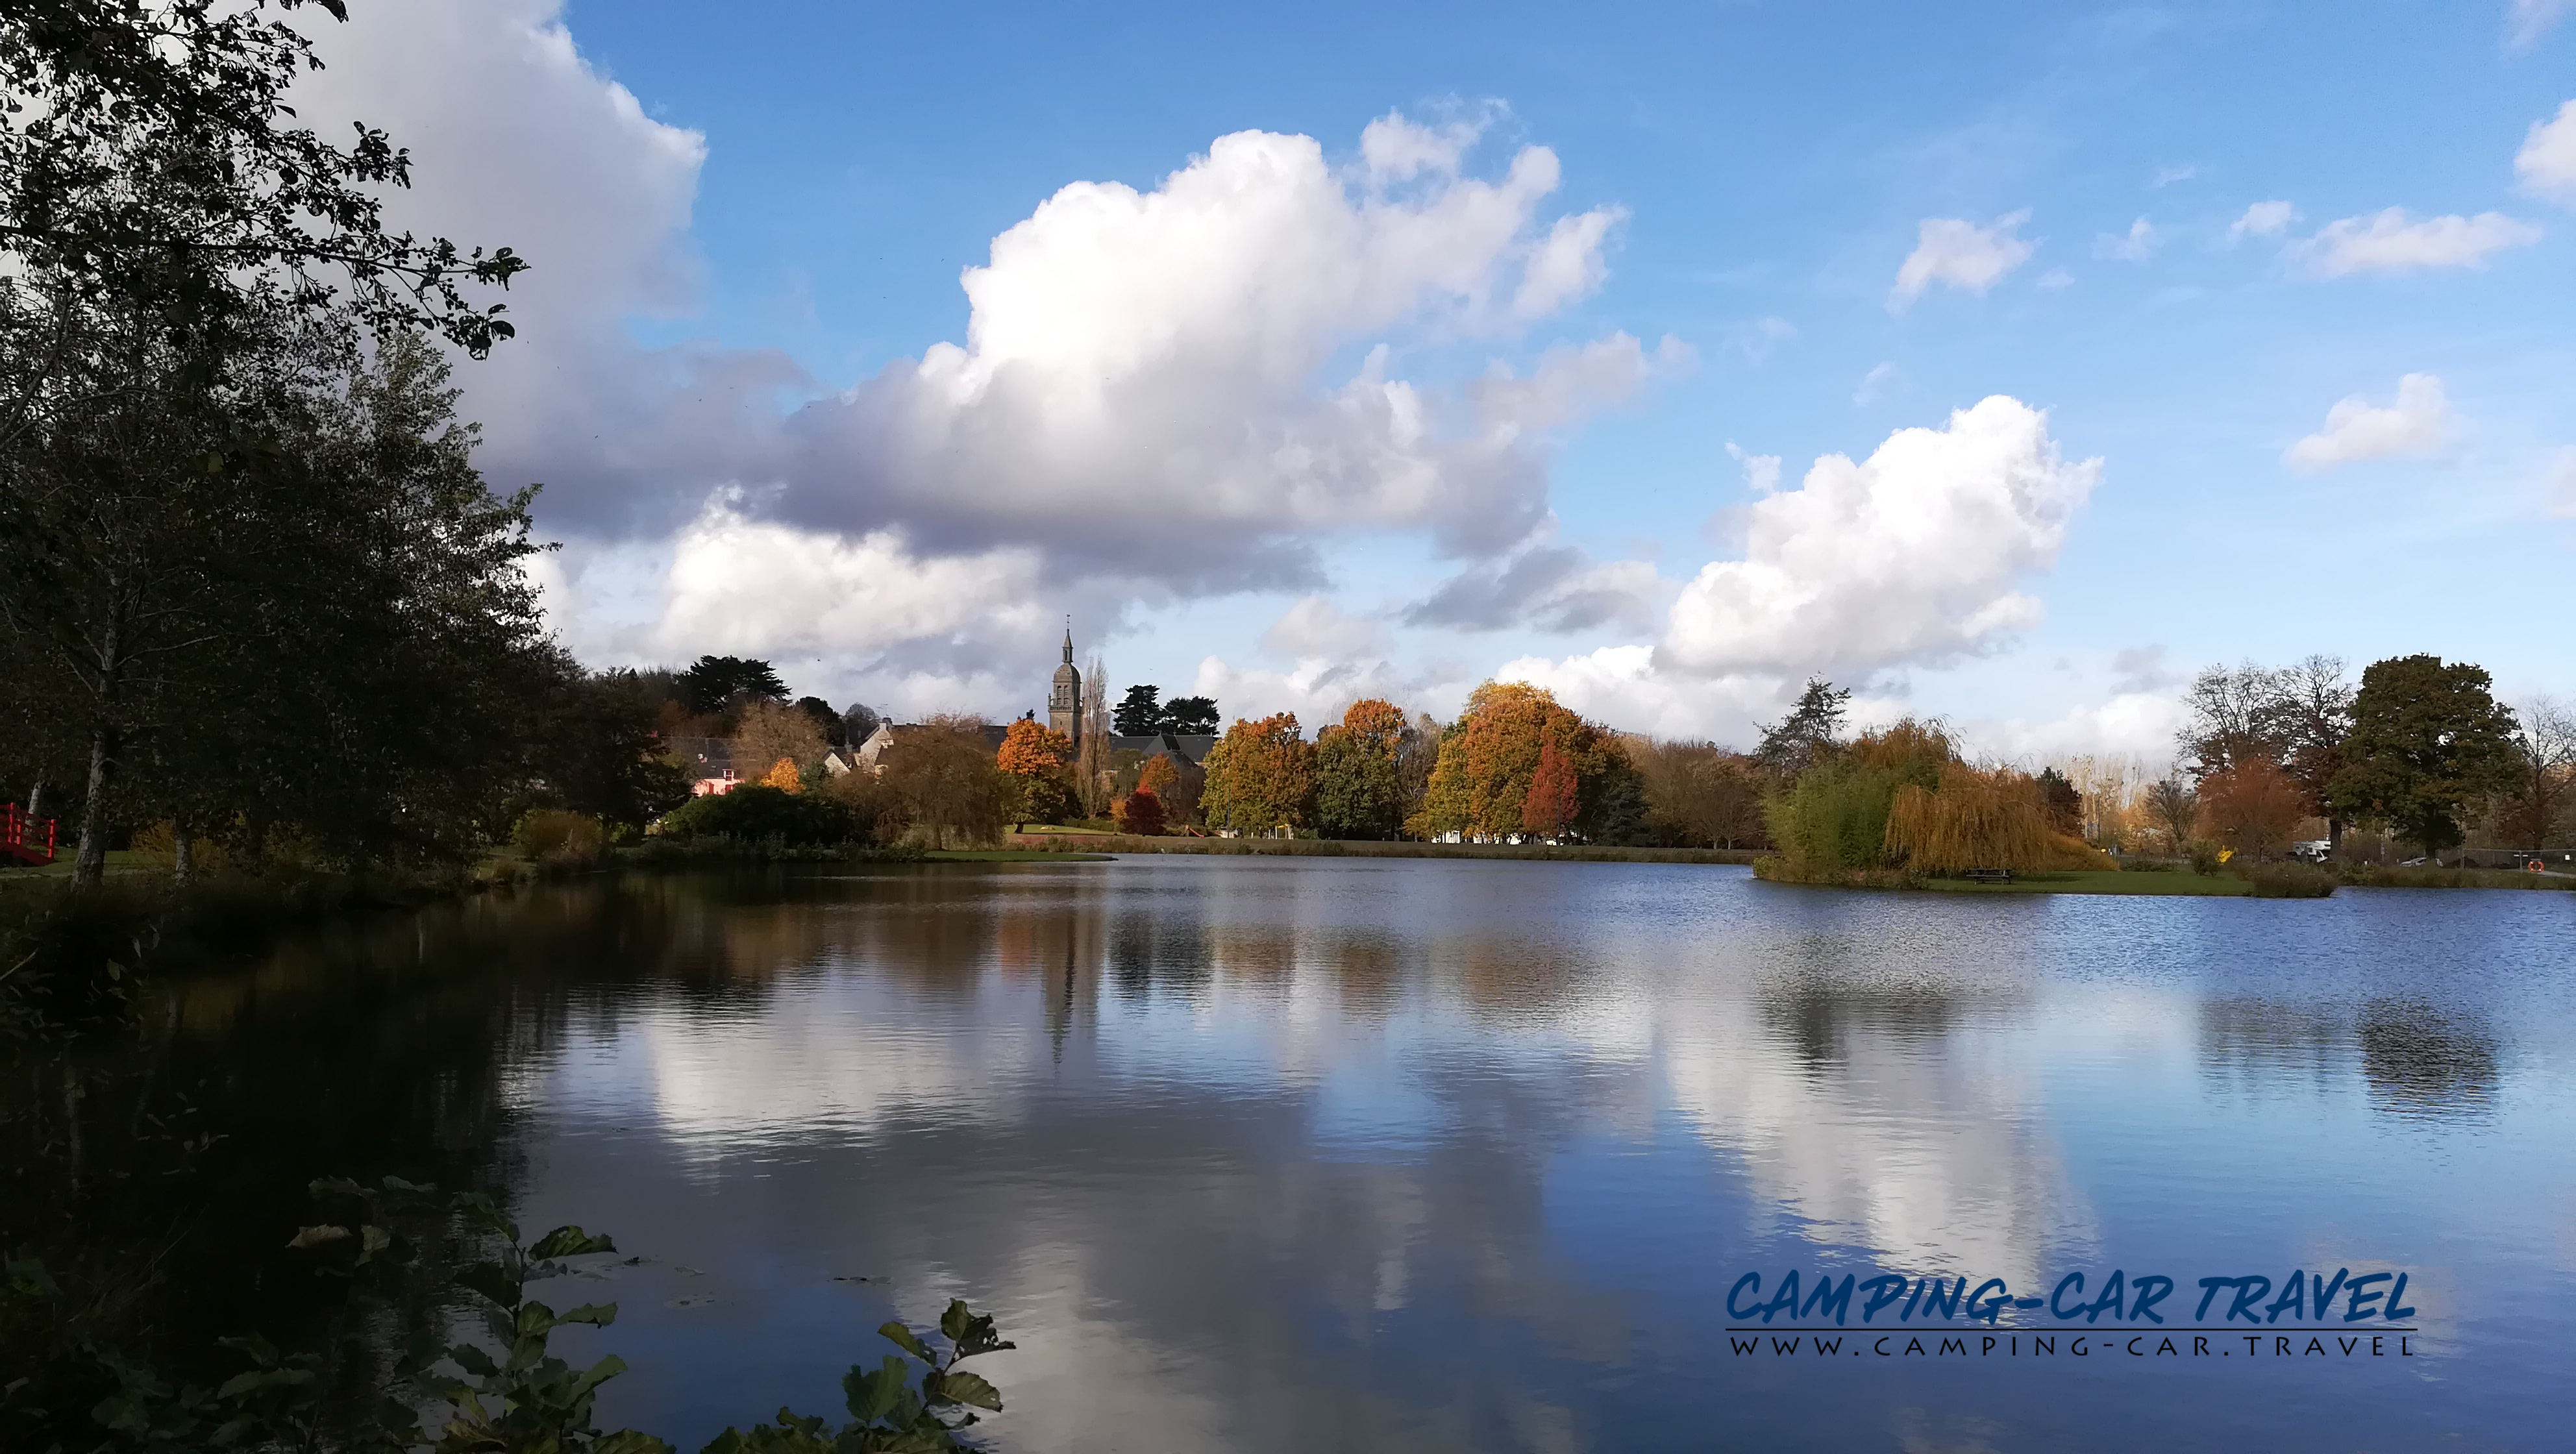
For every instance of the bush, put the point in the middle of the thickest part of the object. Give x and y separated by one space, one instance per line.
552 835
2287 880
1835 816
2389 876
1771 868
2204 856
756 814
941 787
2134 864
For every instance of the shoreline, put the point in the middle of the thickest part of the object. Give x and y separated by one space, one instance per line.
1043 845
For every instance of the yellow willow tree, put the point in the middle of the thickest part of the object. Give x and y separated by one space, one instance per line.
1972 820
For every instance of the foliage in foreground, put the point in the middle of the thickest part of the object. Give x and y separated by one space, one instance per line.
500 1390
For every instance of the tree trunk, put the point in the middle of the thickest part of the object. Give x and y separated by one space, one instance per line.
89 864
36 799
183 852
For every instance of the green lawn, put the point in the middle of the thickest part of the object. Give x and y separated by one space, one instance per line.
119 860
2100 881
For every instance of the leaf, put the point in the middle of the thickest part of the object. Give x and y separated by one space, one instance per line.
253 1347
338 1186
953 1322
970 1388
317 1236
399 1420
633 1441
598 1315
903 1338
569 1242
599 1373
978 1339
473 1360
122 1412
535 1320
373 1239
872 1395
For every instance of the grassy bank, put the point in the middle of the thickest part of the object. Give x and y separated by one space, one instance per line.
2266 882
1043 845
715 852
2379 876
2103 881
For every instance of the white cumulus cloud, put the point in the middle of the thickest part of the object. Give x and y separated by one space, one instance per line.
2418 422
742 584
2546 165
1960 253
2136 245
1910 556
2526 21
2392 241
1761 471
1140 390
1318 690
2263 219
1314 626
517 140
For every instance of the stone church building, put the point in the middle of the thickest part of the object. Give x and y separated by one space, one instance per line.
1063 714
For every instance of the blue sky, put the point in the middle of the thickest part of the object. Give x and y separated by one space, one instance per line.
729 372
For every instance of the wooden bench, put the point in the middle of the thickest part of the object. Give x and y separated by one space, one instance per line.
1988 875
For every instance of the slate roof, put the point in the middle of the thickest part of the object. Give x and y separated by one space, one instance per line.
1191 748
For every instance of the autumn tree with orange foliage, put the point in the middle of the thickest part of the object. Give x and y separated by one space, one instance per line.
1260 777
1489 758
1035 763
2253 807
1140 813
1359 780
784 776
1552 802
770 731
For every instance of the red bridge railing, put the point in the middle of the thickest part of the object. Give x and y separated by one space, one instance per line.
28 840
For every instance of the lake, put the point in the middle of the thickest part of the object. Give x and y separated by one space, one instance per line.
1299 1154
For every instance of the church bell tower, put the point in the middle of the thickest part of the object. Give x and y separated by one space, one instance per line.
1064 704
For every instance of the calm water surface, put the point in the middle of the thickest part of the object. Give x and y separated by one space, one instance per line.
1299 1155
